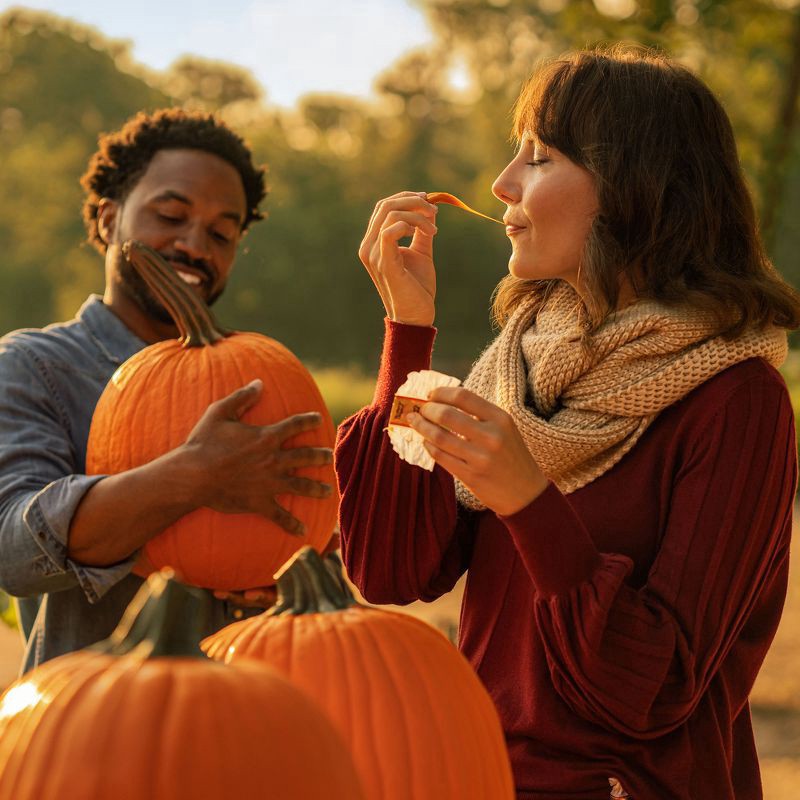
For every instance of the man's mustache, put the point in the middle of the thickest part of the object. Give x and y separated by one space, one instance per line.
195 263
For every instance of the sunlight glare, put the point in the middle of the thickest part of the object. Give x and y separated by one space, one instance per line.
18 698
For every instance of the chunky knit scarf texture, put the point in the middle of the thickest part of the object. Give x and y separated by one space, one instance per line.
581 409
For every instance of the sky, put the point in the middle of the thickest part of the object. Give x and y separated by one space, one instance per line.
291 46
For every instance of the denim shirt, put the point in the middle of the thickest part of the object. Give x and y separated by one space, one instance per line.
50 381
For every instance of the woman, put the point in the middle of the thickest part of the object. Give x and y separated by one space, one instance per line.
618 474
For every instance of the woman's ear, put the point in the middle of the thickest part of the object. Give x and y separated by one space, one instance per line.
107 211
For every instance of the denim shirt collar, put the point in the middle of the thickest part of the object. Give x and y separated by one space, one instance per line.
108 332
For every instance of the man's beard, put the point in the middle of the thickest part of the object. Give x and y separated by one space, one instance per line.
138 290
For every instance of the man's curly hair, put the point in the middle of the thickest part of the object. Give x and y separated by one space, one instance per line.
124 155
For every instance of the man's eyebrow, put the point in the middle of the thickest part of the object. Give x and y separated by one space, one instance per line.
171 194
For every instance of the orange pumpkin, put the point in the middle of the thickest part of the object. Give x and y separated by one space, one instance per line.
152 403
414 714
145 716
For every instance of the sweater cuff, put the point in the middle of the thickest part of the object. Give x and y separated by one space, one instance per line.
406 348
553 543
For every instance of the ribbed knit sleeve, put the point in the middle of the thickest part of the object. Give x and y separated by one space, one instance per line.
638 660
402 536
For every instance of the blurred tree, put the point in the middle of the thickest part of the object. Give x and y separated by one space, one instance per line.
747 51
60 85
440 121
197 82
785 133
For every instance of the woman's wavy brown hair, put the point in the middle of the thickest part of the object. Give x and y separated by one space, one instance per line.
675 214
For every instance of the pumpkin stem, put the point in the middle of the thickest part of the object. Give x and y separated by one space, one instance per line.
309 585
165 618
192 316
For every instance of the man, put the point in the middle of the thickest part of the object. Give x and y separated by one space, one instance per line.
184 184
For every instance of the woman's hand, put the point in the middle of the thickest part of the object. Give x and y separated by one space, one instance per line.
404 276
478 443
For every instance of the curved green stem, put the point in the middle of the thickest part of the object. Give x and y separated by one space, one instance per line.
165 618
309 585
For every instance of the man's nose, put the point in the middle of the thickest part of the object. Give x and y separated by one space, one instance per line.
193 241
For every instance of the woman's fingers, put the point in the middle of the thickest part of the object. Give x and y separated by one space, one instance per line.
445 440
391 210
453 419
467 401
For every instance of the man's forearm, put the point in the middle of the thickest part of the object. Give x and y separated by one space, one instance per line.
122 512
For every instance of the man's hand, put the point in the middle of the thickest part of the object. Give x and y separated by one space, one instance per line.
243 467
266 596
224 464
263 597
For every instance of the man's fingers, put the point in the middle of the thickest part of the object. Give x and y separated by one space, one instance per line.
237 403
307 487
285 520
299 457
291 426
263 594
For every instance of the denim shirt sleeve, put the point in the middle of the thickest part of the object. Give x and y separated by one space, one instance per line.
39 485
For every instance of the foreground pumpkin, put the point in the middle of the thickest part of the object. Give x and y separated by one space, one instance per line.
152 403
145 716
417 719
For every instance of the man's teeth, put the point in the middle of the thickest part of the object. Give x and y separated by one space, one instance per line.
194 280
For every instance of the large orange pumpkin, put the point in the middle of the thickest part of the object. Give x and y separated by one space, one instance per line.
153 401
417 719
145 716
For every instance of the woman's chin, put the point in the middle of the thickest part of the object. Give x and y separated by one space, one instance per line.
521 270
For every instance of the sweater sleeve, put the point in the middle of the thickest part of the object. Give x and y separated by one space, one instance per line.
402 537
638 661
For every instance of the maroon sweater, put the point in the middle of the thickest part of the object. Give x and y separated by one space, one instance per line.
619 629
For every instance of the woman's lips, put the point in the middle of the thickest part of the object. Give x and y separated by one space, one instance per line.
512 230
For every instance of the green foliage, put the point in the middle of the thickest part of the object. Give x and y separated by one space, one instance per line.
344 389
331 158
7 611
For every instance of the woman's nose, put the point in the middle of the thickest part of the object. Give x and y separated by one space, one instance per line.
503 187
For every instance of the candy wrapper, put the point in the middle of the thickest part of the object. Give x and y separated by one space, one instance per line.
407 443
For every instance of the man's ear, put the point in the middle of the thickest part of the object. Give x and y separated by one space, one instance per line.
107 212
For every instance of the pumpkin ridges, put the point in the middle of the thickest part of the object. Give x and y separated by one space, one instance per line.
199 545
475 726
394 756
274 546
146 709
390 659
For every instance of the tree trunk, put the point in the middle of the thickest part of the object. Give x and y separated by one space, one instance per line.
784 135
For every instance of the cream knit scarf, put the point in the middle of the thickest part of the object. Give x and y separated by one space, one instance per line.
580 411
